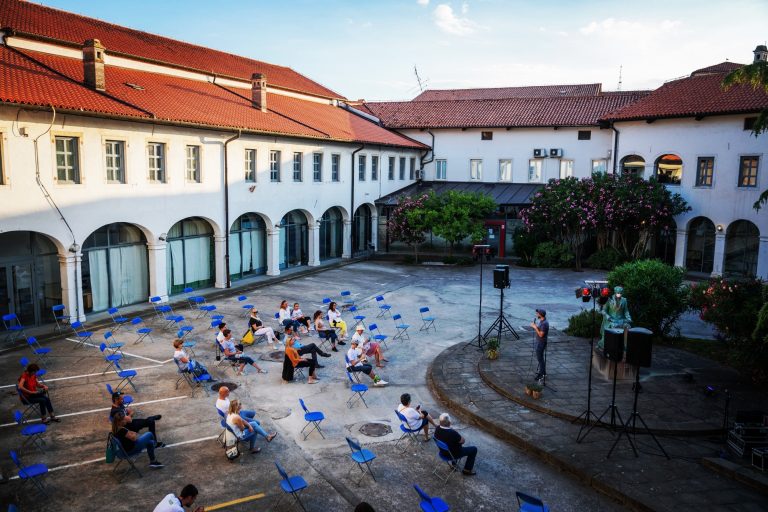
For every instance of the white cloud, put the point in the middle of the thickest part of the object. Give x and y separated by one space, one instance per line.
422 2
464 8
447 21
611 27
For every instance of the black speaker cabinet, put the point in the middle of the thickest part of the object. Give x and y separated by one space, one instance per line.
500 278
614 344
639 347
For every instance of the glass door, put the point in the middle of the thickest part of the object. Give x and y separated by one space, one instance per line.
5 291
23 294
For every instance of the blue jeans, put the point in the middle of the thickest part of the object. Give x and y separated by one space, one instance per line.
247 415
540 348
250 436
145 440
295 324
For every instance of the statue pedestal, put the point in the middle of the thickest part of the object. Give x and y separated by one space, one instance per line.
604 367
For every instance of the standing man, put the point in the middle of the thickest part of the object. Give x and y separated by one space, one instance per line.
615 314
541 328
173 503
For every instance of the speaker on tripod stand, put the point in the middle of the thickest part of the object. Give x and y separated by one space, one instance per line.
501 325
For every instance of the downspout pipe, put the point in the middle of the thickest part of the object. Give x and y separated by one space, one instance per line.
615 149
226 205
352 203
431 149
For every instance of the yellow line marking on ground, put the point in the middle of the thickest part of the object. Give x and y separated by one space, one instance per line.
235 502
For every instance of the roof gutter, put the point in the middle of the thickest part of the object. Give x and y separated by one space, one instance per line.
615 149
226 206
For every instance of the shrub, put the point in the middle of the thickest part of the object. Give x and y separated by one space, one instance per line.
731 305
606 259
552 255
524 245
654 291
581 324
450 260
465 261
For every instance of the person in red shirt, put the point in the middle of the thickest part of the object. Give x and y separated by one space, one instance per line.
35 392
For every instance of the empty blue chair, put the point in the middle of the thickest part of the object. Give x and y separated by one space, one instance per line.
81 334
117 318
13 327
161 310
127 376
431 503
384 308
215 324
361 456
40 351
358 390
410 434
143 333
447 457
377 336
360 319
527 503
346 299
39 373
31 473
111 358
242 300
32 434
327 301
112 343
402 328
59 316
205 310
127 399
194 301
313 419
292 485
427 319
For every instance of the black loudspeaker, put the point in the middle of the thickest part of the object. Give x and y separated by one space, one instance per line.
639 347
499 280
614 344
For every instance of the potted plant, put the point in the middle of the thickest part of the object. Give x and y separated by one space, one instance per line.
535 388
528 390
492 350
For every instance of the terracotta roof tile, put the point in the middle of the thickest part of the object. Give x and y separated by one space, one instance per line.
723 67
499 93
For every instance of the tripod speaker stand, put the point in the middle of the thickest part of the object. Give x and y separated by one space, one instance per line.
501 324
588 416
479 340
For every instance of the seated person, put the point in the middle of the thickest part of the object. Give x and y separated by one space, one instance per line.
304 349
35 392
220 336
324 332
183 360
334 317
292 355
370 348
417 418
134 424
231 352
359 363
257 327
284 315
455 443
246 430
132 443
298 316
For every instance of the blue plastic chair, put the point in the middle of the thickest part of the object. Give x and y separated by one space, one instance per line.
528 503
205 310
446 456
39 373
244 305
358 390
81 334
384 308
194 301
29 407
127 376
117 318
40 351
292 485
32 434
360 319
142 332
313 419
13 327
122 456
112 344
410 434
186 374
59 316
377 336
346 299
110 358
431 503
428 320
162 311
31 473
214 324
127 399
361 456
402 328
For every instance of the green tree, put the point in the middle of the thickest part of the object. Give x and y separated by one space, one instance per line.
458 215
410 220
756 75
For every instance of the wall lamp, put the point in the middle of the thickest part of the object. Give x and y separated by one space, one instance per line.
719 228
74 248
163 237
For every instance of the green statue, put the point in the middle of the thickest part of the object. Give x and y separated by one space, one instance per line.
615 314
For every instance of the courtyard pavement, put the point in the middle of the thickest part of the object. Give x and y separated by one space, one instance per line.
80 479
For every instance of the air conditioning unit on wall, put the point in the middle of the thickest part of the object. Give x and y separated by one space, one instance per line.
540 153
555 153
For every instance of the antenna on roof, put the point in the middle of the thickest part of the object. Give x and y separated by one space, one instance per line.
418 78
621 68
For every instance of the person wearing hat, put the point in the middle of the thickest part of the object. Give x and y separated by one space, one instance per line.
370 348
615 314
133 424
541 327
357 362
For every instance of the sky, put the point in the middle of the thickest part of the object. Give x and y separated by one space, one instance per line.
370 48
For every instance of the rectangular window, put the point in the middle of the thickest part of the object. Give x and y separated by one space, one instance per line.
156 164
599 166
335 162
250 165
412 169
441 169
297 161
749 123
705 169
115 152
748 171
566 168
274 166
317 167
486 135
361 167
391 168
402 167
585 134
534 170
67 160
193 164
476 169
374 168
2 176
505 170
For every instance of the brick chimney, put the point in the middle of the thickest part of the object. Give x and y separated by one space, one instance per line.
259 91
93 64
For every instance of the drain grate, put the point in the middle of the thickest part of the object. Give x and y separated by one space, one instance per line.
231 385
375 429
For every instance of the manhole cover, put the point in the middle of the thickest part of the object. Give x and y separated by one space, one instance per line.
231 385
276 355
375 429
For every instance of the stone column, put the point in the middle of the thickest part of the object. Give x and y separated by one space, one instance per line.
273 251
375 231
219 249
72 286
346 250
314 245
681 246
762 259
717 267
158 271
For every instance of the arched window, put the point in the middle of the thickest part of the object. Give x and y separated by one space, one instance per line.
362 231
294 240
247 247
190 255
664 243
669 169
700 253
742 243
633 164
115 267
331 234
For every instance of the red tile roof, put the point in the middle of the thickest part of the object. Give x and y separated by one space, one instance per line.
500 93
697 95
514 112
41 79
30 18
723 67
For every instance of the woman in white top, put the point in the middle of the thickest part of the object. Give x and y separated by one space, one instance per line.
244 430
183 360
334 317
284 315
298 315
258 328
